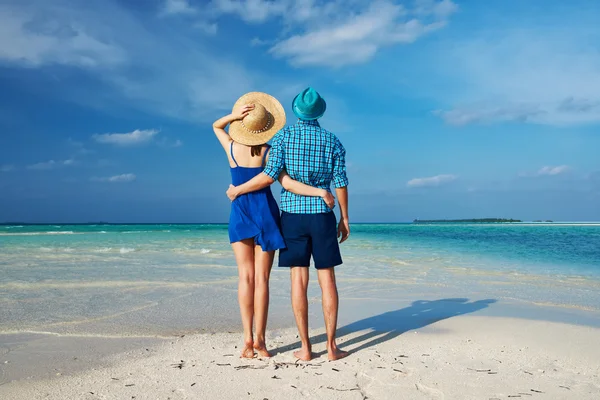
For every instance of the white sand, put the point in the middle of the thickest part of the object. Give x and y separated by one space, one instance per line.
464 357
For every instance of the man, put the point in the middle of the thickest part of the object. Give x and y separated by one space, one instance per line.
316 157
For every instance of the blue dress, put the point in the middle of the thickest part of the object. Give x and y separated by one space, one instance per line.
254 215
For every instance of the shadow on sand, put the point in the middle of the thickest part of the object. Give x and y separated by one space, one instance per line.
387 326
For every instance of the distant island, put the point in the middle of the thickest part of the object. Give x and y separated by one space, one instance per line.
477 220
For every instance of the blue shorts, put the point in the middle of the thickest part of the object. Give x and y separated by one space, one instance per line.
309 235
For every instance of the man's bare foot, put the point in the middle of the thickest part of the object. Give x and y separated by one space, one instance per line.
336 354
304 354
248 351
261 349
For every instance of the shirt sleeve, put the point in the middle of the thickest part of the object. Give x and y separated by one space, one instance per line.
340 179
276 162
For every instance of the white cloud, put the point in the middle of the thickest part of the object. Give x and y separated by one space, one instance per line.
123 178
442 9
7 168
51 164
338 33
178 7
357 38
485 114
255 42
164 142
255 11
206 27
553 170
535 75
547 171
431 181
78 146
184 8
127 139
31 37
43 165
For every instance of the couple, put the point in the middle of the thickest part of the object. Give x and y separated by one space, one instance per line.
306 159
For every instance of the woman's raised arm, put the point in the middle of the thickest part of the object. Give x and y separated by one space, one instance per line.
220 124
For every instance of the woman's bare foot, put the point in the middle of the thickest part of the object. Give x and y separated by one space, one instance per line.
304 354
336 354
261 349
248 351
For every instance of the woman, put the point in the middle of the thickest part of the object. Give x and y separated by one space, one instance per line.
254 229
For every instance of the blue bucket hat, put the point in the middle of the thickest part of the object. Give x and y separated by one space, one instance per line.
309 105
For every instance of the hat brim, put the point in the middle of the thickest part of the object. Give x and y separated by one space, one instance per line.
308 117
238 133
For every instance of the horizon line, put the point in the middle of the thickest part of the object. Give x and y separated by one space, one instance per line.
225 223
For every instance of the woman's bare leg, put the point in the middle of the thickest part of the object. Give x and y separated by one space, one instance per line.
244 256
263 262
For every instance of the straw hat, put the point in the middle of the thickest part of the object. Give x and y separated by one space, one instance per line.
262 123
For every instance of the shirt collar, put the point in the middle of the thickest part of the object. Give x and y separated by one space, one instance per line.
313 122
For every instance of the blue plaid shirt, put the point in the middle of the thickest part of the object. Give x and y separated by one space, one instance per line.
311 155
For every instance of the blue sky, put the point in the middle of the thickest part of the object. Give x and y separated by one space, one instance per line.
447 109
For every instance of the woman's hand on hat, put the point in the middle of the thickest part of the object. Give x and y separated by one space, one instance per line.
241 112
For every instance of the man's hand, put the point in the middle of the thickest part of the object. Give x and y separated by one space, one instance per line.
232 192
328 199
343 230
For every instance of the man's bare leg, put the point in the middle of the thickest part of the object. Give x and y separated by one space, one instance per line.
299 277
330 302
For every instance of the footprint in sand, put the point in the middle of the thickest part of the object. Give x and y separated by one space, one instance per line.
433 394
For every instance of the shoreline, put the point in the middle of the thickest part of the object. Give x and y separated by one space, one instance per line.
460 357
34 357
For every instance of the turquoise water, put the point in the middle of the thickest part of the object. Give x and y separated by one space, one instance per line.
161 279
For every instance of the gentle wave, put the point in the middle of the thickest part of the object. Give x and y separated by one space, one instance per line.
122 250
103 250
111 284
85 335
41 233
57 249
153 231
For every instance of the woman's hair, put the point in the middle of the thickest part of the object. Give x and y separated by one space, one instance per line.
256 150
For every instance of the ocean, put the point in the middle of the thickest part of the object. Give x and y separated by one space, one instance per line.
168 279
